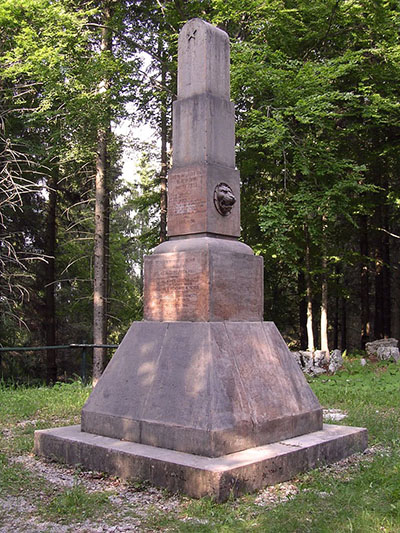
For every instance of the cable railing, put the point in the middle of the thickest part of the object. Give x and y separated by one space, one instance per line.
82 346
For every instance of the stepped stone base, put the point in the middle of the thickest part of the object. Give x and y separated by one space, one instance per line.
198 476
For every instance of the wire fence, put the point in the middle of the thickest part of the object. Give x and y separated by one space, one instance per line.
82 346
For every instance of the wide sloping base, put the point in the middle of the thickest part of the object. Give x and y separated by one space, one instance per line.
207 388
199 476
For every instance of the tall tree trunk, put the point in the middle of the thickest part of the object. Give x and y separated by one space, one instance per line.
164 153
336 323
387 297
324 306
301 288
50 278
378 319
310 334
364 281
324 292
343 344
382 322
395 273
100 263
336 311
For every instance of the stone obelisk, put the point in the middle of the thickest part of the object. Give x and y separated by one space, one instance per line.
197 393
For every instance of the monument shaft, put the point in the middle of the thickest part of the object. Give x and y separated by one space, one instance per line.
198 276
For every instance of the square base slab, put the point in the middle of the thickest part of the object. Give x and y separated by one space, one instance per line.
198 476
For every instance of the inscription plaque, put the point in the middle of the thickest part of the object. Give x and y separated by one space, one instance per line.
192 197
177 288
203 286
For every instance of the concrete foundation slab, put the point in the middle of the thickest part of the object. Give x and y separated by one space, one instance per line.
199 476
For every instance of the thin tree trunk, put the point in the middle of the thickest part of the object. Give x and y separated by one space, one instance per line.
324 292
379 282
336 323
164 153
100 264
382 322
310 334
387 299
50 302
364 279
343 344
324 306
302 309
336 313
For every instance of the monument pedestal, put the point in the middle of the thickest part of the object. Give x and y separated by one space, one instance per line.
208 408
206 388
203 279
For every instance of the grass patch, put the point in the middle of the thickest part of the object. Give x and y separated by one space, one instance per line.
62 401
76 503
26 409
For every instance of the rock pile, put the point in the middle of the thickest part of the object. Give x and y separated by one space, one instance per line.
319 362
384 349
316 363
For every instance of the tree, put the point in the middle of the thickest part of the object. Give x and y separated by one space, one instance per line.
314 120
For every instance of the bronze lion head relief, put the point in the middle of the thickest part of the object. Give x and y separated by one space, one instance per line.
224 199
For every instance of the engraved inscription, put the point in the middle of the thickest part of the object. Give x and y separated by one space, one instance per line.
187 201
186 194
191 35
178 289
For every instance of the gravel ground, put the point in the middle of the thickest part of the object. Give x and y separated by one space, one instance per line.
136 502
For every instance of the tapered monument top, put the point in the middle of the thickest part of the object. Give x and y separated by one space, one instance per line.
203 59
203 183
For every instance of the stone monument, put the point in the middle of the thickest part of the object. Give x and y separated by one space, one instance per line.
202 396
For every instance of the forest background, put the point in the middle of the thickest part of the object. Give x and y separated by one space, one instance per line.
316 87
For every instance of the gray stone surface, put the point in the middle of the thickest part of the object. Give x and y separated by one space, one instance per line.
203 59
335 361
197 476
203 136
388 353
208 388
204 131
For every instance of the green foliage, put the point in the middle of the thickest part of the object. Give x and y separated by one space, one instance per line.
315 115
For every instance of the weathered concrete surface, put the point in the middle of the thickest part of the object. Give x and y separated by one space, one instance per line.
197 476
210 280
208 388
191 206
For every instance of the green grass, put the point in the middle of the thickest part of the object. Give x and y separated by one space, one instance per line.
75 503
363 496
